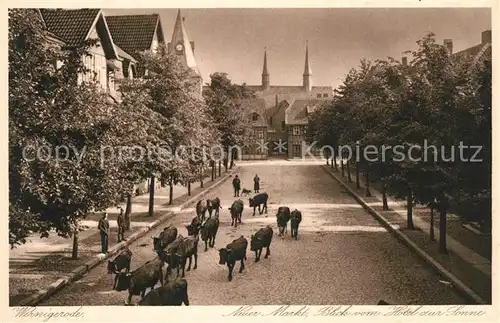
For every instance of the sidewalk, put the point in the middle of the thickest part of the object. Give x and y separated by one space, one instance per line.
39 262
462 261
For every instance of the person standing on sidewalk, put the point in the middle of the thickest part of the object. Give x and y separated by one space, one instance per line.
236 186
256 183
103 227
120 221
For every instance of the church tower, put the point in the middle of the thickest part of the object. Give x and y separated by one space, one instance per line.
182 47
265 74
306 78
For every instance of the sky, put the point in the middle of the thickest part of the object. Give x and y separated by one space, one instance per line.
233 40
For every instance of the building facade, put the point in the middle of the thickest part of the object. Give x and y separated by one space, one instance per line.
285 114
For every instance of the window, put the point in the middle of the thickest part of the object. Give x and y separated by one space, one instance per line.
282 125
260 134
255 117
318 95
296 131
325 95
271 121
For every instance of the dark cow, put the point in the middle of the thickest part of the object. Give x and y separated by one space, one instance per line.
201 209
122 261
209 232
282 218
213 205
195 226
295 219
236 210
261 239
167 236
178 252
236 250
172 294
144 277
257 200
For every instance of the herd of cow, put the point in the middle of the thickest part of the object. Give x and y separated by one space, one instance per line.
174 250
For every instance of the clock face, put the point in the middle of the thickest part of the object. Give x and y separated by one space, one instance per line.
179 47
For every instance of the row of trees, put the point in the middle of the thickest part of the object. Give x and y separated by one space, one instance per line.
50 108
433 97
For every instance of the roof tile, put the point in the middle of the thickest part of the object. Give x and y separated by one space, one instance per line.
133 33
72 26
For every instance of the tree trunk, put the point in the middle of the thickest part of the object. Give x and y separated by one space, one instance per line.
201 178
342 167
409 209
128 211
357 175
212 164
367 184
348 169
335 160
385 206
233 157
171 193
442 230
151 196
74 253
219 168
189 188
431 232
225 164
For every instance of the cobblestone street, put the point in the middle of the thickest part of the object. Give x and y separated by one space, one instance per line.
342 256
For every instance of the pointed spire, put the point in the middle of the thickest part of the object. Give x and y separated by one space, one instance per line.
264 69
180 37
307 66
265 74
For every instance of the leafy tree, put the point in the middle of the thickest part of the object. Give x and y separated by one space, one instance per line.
58 191
224 101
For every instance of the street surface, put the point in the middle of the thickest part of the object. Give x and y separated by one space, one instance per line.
342 256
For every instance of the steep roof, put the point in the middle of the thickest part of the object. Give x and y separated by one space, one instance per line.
124 54
180 35
257 106
479 51
134 33
297 112
73 27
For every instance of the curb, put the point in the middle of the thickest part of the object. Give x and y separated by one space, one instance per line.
458 284
80 271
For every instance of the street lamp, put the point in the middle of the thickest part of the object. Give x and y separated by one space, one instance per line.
357 165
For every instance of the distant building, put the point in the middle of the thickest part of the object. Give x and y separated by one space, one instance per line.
280 106
477 52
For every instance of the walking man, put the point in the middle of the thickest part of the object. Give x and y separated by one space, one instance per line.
120 221
103 227
236 186
256 183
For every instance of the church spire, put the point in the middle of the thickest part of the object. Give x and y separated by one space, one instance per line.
307 71
181 45
265 73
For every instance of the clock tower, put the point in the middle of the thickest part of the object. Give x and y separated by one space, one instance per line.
182 47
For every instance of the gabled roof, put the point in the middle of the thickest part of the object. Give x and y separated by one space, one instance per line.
257 106
297 112
180 36
124 54
134 33
73 26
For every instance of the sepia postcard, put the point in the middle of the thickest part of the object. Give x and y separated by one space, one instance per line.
283 161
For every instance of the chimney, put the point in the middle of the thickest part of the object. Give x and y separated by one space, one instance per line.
448 43
486 37
404 61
